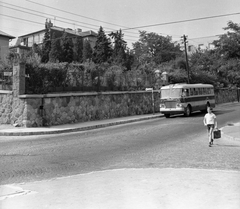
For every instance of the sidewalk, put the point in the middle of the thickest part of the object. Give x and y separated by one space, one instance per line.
150 188
9 130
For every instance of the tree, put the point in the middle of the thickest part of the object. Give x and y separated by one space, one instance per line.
228 45
46 47
102 50
55 52
87 51
129 59
78 49
152 47
119 47
67 48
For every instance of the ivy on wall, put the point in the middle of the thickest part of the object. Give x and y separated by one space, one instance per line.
62 77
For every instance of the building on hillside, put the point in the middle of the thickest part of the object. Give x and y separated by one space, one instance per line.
200 47
4 44
25 42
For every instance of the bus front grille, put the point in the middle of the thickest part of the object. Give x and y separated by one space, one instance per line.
170 104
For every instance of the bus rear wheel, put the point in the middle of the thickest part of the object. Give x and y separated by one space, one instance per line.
167 115
187 112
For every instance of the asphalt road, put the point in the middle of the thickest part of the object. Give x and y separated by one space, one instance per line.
177 142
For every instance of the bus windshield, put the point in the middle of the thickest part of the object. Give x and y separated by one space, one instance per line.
171 93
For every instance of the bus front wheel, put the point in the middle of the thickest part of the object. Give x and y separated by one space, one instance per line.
167 115
187 112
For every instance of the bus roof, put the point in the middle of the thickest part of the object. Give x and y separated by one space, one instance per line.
185 85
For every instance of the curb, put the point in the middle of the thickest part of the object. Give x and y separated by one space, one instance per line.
236 139
227 104
71 130
230 137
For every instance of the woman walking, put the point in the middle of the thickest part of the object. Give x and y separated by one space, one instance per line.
210 121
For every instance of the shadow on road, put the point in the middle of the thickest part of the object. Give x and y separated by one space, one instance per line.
200 114
227 145
220 112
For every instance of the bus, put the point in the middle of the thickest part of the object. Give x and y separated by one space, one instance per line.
186 98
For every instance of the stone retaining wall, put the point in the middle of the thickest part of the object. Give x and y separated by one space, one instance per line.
56 109
6 101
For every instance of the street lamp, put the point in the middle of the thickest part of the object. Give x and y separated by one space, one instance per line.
157 74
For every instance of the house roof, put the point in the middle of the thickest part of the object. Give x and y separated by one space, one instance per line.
75 32
67 30
32 33
6 35
88 33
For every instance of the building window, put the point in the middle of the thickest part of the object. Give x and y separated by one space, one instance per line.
25 41
30 41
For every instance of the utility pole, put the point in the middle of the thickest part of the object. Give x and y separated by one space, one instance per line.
185 47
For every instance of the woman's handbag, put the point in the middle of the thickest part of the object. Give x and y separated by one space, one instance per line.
217 133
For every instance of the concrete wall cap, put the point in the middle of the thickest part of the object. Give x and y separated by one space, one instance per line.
5 92
25 96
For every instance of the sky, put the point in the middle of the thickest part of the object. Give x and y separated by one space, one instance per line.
20 17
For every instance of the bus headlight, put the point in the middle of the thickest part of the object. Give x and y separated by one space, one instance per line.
179 105
162 106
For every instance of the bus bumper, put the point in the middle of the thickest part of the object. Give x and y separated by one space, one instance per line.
172 111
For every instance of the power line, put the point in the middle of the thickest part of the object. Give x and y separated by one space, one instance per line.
58 20
50 15
61 20
124 35
21 19
58 17
112 30
75 14
45 17
126 28
182 21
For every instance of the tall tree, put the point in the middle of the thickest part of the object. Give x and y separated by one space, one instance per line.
77 49
67 48
119 47
46 47
102 50
152 47
55 52
228 45
87 51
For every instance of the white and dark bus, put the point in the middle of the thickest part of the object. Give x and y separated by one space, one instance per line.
186 98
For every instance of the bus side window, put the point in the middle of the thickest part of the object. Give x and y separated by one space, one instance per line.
185 92
200 91
192 92
195 91
204 90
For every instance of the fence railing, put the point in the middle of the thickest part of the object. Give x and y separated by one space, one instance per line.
226 95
